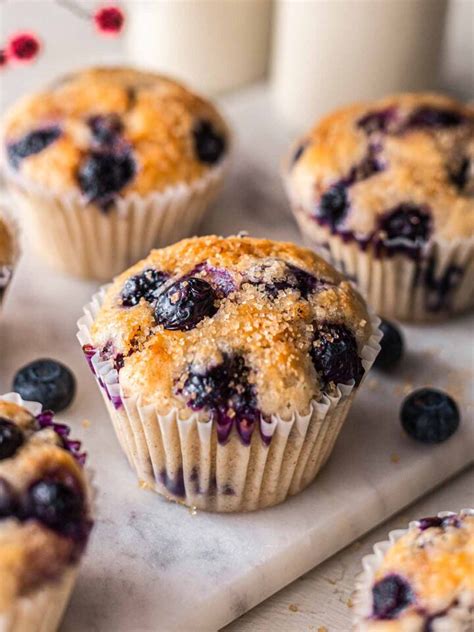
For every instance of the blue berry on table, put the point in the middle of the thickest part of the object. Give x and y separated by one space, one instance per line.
391 346
48 382
429 415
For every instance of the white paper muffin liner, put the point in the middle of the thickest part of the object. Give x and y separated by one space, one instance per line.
42 609
395 286
458 619
183 460
6 270
82 240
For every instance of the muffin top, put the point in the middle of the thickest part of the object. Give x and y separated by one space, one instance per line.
108 132
401 168
236 327
44 501
7 240
426 578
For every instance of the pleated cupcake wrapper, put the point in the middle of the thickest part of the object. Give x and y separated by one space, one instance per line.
6 270
457 620
84 241
394 285
42 609
183 460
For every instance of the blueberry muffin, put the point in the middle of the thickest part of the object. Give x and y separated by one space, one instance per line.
386 190
228 366
8 251
422 580
45 516
107 163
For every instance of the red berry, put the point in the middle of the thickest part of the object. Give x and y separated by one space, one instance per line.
23 47
109 20
3 59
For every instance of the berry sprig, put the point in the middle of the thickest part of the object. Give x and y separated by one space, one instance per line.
21 48
108 20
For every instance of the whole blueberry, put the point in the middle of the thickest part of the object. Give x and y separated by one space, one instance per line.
182 305
209 144
335 356
48 382
8 500
429 415
391 346
407 221
55 505
102 175
391 595
333 206
145 285
31 143
11 438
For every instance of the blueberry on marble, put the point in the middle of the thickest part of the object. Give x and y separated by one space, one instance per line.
408 222
48 382
390 596
31 143
209 144
224 390
333 206
54 504
429 415
102 175
431 117
391 346
183 304
335 356
105 128
144 285
8 500
11 438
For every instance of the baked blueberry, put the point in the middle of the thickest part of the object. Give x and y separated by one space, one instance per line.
145 285
427 116
55 505
48 382
8 500
408 222
299 151
11 438
391 346
185 303
335 356
208 143
333 206
226 391
429 415
102 175
31 143
377 121
391 595
459 175
105 128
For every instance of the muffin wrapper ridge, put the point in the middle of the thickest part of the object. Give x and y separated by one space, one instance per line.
42 609
7 270
85 241
183 460
400 286
458 618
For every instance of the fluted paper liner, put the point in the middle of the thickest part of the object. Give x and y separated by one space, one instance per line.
183 460
42 609
457 619
394 285
82 240
7 269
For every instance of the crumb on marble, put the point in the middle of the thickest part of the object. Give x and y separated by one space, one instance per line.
322 628
293 607
193 510
395 458
349 603
372 383
85 423
144 485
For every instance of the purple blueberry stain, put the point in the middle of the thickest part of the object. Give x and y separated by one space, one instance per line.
440 289
174 484
438 522
390 596
294 278
221 279
46 420
335 356
32 143
184 303
226 392
145 285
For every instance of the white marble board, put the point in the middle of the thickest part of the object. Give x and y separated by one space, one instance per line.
155 566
